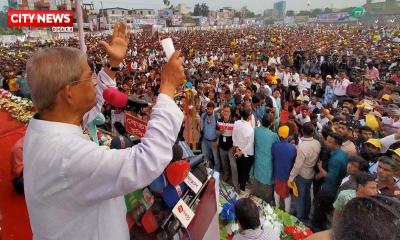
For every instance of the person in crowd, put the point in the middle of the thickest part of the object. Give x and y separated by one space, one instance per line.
264 138
303 117
388 172
243 146
17 166
209 143
368 218
345 130
303 170
225 145
193 136
283 156
366 187
355 165
121 140
337 165
250 227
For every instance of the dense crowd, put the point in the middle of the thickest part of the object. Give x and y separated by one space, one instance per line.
309 113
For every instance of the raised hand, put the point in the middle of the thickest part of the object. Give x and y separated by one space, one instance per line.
116 49
172 75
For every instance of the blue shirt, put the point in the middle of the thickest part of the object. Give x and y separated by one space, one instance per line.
23 85
337 166
329 96
263 140
283 156
209 127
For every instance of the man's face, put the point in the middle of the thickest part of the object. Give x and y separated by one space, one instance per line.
342 130
276 94
210 110
347 105
385 172
365 135
372 150
330 143
353 168
84 91
304 113
370 189
248 93
226 113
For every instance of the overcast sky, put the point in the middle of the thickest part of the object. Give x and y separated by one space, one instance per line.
255 5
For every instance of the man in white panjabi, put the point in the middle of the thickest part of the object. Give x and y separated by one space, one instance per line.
74 188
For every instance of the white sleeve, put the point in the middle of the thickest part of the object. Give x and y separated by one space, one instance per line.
386 142
94 173
103 82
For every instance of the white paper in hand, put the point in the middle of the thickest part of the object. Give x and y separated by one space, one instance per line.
168 47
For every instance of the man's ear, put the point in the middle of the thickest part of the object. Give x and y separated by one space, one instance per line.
66 94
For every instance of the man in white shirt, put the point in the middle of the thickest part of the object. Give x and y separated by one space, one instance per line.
303 117
243 145
74 188
340 86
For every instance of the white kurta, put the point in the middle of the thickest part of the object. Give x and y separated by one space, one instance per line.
74 188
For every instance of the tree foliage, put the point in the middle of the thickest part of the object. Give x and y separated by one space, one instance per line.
246 13
201 10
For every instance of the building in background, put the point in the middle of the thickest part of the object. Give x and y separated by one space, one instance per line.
280 8
115 15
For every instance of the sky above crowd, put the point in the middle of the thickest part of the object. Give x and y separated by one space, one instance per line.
257 6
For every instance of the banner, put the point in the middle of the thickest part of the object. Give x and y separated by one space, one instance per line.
134 125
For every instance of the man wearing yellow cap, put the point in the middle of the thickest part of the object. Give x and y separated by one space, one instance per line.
283 156
371 151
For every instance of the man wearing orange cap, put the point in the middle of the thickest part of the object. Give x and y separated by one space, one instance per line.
283 156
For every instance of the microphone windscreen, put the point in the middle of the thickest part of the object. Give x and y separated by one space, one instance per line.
115 98
177 171
171 194
200 172
158 184
177 152
149 221
196 160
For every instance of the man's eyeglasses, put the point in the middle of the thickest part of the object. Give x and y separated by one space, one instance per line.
93 78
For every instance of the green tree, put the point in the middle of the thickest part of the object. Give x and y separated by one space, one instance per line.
197 10
304 13
316 12
246 13
328 10
204 10
290 13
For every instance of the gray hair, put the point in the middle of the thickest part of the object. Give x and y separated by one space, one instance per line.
49 70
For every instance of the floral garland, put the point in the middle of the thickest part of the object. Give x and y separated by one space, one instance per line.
21 109
283 224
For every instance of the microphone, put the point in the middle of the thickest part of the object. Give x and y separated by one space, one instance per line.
177 171
120 99
200 172
196 160
137 102
172 194
177 152
137 213
153 216
158 184
115 97
149 221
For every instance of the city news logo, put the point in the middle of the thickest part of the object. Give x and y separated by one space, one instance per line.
58 20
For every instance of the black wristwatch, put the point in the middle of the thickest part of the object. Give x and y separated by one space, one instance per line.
113 69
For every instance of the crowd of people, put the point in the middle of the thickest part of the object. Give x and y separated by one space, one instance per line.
307 113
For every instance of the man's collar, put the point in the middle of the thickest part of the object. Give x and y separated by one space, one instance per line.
56 127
